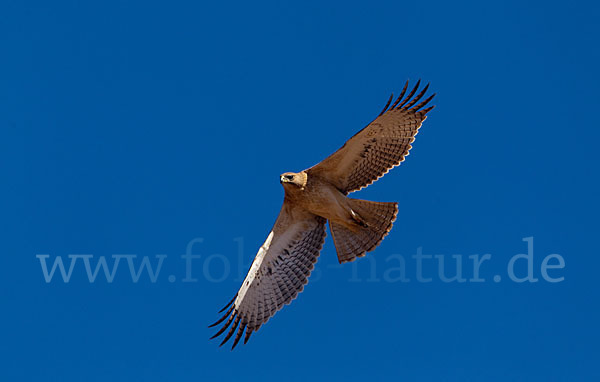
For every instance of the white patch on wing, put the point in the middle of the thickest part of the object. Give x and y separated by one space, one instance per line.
267 252
262 251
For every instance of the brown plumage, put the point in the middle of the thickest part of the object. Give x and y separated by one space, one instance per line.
314 196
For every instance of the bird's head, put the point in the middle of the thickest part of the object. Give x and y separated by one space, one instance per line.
292 180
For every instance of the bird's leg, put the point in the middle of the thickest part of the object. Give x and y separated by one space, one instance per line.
358 219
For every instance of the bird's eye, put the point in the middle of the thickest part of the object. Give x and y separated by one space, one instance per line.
289 177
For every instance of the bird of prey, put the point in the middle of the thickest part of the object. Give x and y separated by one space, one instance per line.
319 194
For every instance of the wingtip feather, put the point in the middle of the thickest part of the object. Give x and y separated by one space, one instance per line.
417 98
229 303
222 318
409 96
387 104
231 331
401 95
224 327
247 336
238 336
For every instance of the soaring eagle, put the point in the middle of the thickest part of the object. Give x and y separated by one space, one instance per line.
319 194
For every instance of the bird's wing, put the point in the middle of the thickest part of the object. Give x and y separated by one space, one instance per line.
380 146
278 273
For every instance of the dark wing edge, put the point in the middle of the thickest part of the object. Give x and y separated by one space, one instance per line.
284 272
407 106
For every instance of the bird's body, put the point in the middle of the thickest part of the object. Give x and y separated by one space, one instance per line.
317 195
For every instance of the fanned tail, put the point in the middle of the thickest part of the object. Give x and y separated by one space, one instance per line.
377 219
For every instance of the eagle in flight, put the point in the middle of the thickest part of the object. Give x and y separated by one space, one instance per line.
319 194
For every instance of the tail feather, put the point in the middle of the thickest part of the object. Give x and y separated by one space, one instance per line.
379 218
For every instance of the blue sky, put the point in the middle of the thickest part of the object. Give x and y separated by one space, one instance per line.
142 127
